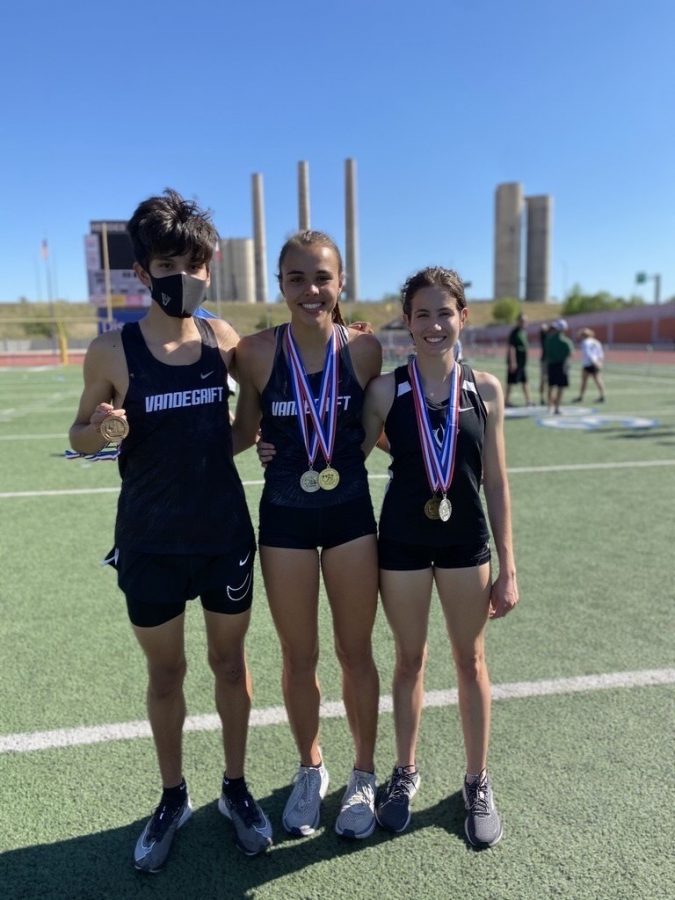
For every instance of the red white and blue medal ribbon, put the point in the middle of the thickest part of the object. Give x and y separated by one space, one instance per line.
439 463
325 409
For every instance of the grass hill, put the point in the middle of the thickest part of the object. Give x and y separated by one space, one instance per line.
26 320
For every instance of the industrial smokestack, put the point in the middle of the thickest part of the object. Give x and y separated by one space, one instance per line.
259 242
538 266
303 196
351 232
508 228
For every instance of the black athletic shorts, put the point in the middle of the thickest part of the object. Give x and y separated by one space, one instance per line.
157 586
557 375
517 375
306 529
400 557
592 369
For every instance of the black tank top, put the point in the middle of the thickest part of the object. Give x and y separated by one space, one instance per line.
280 427
403 517
181 492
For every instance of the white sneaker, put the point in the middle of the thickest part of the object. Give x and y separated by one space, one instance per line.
357 816
303 808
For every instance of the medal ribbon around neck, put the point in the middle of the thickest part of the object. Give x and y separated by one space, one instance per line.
438 464
328 399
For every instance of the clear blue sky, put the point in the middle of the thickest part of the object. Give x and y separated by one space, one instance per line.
106 103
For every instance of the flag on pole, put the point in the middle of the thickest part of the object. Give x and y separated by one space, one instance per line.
44 249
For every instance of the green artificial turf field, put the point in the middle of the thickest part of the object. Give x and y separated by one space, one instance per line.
582 741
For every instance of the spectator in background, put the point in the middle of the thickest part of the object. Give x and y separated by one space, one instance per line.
592 356
558 349
544 332
516 360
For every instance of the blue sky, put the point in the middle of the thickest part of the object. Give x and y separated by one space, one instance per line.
105 104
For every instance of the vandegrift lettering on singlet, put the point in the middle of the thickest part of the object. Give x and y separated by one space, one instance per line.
176 399
288 407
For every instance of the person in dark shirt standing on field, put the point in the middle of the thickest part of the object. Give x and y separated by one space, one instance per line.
516 360
558 349
183 529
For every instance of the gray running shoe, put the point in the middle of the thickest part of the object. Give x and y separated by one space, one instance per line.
252 828
303 807
482 825
393 809
357 816
152 847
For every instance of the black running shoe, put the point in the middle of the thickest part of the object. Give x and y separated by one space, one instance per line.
482 825
252 828
393 808
152 847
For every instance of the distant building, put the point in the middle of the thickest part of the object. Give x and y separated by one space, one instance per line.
233 271
508 227
125 288
538 265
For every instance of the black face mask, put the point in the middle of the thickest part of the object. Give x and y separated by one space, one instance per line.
178 295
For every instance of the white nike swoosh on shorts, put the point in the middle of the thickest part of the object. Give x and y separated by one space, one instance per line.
242 562
237 594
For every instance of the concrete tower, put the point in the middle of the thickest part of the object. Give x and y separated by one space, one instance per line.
303 196
508 225
233 271
259 242
351 233
539 222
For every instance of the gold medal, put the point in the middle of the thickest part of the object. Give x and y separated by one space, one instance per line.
444 509
431 508
329 478
309 481
114 429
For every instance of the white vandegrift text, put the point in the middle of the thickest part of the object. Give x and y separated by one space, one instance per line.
289 407
176 399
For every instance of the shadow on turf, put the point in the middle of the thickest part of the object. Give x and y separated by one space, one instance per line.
204 861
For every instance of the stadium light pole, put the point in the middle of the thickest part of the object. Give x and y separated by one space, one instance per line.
643 277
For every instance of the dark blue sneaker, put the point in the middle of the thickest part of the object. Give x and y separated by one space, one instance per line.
252 828
152 847
393 808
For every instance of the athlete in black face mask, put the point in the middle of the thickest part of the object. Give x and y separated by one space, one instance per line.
178 295
182 529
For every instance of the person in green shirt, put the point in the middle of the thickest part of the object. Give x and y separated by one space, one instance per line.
516 360
558 350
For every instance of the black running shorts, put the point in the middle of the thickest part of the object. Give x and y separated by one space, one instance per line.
306 529
399 557
157 587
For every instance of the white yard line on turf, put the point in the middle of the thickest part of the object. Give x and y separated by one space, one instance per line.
276 715
516 470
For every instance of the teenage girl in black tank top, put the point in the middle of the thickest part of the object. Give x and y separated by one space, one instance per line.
279 426
433 530
307 532
403 518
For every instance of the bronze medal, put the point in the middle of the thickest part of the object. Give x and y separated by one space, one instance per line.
431 508
309 481
329 478
444 510
114 429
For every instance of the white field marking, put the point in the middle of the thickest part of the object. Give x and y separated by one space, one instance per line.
276 715
516 470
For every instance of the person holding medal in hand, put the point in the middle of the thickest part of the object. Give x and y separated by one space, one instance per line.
444 426
303 385
183 529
